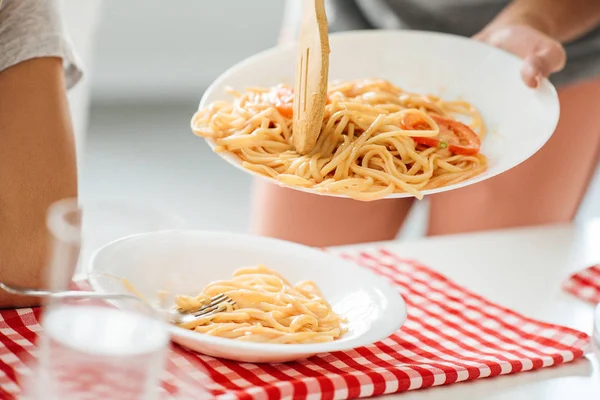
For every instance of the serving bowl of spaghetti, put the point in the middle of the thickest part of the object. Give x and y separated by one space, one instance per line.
408 113
289 301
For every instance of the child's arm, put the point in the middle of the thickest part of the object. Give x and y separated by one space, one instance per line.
37 167
37 154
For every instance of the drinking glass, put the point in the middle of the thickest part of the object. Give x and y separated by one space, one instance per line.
92 349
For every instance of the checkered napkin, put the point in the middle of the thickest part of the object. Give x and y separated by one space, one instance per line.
585 284
451 335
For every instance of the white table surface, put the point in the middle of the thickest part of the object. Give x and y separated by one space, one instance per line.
521 269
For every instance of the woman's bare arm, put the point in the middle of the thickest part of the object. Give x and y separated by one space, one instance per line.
37 167
562 20
535 30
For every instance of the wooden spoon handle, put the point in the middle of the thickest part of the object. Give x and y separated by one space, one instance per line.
312 71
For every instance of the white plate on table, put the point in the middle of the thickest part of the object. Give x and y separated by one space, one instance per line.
520 120
373 308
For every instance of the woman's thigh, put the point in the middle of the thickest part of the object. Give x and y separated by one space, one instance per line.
545 189
323 221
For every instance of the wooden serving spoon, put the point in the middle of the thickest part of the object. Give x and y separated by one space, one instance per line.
312 71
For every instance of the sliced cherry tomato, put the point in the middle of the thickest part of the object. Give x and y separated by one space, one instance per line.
457 137
286 110
283 98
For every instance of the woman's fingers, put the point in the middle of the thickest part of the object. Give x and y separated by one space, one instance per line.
531 73
549 59
542 54
553 57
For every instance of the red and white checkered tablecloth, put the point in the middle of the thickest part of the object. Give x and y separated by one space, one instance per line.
451 335
585 284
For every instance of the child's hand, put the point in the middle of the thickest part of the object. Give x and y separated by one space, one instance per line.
542 54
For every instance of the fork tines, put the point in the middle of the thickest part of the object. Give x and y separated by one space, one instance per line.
217 303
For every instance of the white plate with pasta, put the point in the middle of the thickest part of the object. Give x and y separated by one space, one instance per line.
409 113
292 301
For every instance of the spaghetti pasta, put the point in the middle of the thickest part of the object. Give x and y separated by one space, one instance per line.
376 139
268 309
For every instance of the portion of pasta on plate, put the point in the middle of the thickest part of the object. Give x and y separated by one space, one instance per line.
268 309
376 139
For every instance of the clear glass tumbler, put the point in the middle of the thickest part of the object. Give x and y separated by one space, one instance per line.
96 351
93 349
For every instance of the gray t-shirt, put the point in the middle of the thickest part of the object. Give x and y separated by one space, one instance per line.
32 29
459 17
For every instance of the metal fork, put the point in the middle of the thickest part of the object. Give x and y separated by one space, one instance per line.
217 304
177 316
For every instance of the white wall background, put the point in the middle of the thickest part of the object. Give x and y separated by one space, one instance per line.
172 50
